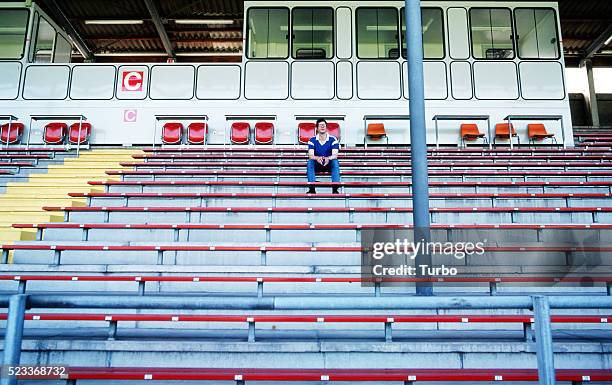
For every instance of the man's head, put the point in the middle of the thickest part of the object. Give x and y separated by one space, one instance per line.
321 126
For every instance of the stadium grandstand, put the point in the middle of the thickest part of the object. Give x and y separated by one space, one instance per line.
157 225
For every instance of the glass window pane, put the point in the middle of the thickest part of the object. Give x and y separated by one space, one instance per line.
527 36
13 27
548 45
433 34
45 39
63 50
377 34
491 33
267 33
313 33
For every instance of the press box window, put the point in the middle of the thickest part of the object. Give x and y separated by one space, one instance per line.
313 31
45 42
536 31
268 30
13 28
491 33
377 33
433 33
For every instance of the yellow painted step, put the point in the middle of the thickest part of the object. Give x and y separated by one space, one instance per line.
11 234
37 217
34 204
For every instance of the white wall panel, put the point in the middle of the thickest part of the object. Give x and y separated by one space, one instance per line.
344 33
266 80
132 82
10 75
92 82
495 80
172 82
435 80
543 80
218 82
344 80
378 80
46 82
461 80
312 80
458 36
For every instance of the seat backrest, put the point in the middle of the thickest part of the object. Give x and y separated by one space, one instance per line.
536 129
469 129
196 132
54 132
376 130
172 133
334 129
11 134
240 132
504 129
73 132
264 132
306 130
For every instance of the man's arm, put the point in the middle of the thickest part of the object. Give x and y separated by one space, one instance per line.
311 155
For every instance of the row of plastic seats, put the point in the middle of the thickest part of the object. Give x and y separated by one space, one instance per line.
54 133
535 131
240 132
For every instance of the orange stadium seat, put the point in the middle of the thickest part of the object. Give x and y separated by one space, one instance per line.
376 131
11 134
537 132
55 132
470 132
197 133
172 133
306 131
502 130
240 133
264 132
73 133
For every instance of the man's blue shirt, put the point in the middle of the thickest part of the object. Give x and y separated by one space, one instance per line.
324 149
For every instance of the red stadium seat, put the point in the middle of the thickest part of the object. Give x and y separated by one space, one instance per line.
55 132
264 133
502 130
11 134
305 132
470 132
537 132
240 133
197 133
172 133
73 133
334 129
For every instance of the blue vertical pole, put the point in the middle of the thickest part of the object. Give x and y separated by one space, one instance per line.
418 137
544 341
13 335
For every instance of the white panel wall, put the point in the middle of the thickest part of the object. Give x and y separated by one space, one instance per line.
218 82
495 80
266 80
543 80
172 82
461 80
312 80
378 80
435 80
344 80
458 36
46 82
344 33
92 82
10 75
132 82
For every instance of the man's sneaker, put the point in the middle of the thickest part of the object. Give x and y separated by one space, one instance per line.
311 190
335 190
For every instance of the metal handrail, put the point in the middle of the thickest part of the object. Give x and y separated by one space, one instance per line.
463 117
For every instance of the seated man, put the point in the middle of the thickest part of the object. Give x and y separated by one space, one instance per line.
323 155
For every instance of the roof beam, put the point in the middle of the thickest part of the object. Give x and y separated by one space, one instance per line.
63 21
598 43
159 26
